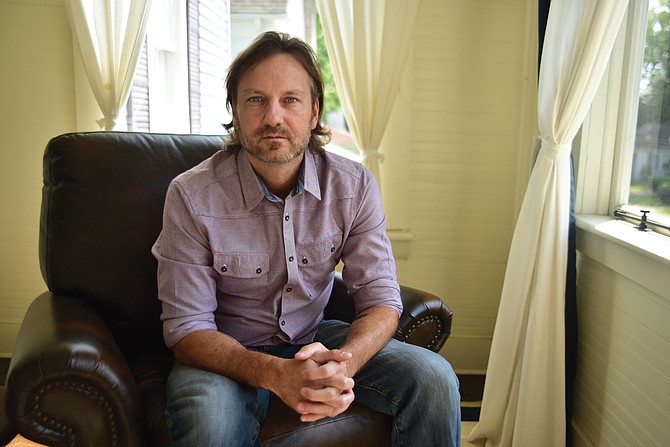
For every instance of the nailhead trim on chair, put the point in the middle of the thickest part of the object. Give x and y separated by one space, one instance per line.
426 320
63 428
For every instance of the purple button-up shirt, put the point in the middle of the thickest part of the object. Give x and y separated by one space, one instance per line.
261 270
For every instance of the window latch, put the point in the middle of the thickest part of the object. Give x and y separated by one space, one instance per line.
642 222
642 226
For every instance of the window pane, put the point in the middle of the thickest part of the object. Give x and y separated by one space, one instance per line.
650 175
342 141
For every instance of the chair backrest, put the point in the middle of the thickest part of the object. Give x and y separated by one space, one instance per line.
102 206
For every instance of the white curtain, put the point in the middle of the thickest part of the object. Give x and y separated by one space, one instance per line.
524 395
368 43
109 35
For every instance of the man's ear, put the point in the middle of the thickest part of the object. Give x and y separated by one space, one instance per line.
235 122
315 114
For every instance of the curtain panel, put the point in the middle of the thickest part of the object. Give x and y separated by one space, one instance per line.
368 43
524 399
109 35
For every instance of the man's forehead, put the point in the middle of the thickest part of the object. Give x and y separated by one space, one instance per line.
281 71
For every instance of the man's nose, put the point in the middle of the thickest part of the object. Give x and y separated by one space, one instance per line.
274 113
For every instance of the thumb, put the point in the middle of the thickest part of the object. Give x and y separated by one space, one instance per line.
309 350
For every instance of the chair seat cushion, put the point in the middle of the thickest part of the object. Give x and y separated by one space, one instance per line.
358 426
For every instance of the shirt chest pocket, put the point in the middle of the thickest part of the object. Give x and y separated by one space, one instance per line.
243 274
317 260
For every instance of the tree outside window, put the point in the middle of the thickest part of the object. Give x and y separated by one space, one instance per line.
650 175
342 141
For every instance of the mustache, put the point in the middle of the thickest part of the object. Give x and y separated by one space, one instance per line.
273 130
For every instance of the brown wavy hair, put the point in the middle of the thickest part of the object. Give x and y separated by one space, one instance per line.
269 44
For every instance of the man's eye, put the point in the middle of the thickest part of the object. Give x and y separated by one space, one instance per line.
291 100
255 99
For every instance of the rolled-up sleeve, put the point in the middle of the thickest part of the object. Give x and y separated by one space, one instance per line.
369 267
186 280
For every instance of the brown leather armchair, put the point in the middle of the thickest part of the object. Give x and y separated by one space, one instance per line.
89 366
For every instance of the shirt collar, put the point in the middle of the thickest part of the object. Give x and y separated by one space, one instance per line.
251 190
311 177
254 189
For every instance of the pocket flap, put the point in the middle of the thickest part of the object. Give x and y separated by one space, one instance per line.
320 252
242 265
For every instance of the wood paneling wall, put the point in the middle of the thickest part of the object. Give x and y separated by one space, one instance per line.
622 390
472 99
37 102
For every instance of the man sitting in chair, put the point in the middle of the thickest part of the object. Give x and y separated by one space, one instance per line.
250 241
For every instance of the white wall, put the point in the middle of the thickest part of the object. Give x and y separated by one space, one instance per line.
473 78
36 103
622 389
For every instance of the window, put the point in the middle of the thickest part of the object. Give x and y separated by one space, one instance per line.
179 82
342 142
627 132
650 169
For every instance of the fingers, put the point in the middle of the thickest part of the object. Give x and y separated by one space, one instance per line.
331 363
333 355
327 401
327 389
325 372
320 354
313 411
328 394
309 350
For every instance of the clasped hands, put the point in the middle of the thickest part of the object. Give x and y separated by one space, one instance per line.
316 382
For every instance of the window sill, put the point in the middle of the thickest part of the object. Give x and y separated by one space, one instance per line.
642 256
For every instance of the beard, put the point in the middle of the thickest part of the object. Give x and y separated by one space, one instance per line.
275 152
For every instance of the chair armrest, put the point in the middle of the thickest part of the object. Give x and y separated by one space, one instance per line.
68 383
425 320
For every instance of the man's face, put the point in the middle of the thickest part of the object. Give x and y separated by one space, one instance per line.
274 113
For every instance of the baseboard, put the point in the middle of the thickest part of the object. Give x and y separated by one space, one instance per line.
472 387
4 366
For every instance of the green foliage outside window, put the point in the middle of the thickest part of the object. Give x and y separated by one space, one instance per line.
650 186
654 103
331 98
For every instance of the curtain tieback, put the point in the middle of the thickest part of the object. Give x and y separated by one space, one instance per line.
107 123
371 153
552 149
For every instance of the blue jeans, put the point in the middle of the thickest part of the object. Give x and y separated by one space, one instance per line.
417 387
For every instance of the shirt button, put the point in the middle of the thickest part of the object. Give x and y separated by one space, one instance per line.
288 289
290 259
332 249
286 218
224 268
304 260
283 322
259 270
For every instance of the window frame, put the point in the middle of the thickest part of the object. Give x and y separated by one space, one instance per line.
603 172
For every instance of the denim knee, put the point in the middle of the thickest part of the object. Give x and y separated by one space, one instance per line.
423 371
205 408
418 388
433 372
